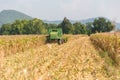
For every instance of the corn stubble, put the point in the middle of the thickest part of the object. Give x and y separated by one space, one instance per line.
75 60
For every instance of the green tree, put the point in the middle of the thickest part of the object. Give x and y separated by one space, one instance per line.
102 25
35 26
5 29
25 23
79 28
17 27
89 27
52 25
66 26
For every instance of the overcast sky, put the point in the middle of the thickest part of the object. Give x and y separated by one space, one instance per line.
58 9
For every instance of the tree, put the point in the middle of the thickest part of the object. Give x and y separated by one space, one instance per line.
102 25
35 26
89 27
66 26
5 29
17 27
52 25
79 28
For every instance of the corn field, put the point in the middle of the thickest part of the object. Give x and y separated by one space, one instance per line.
108 42
30 58
14 44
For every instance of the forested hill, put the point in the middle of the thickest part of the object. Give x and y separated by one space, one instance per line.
9 16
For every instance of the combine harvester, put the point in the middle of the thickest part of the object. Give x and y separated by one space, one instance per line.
56 34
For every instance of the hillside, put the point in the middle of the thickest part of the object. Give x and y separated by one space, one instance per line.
9 16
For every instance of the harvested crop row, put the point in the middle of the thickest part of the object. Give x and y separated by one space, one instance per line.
108 42
74 60
13 44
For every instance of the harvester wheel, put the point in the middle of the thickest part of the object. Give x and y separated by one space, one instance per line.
48 39
59 41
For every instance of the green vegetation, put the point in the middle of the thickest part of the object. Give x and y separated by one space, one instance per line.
9 16
102 25
37 26
79 28
67 26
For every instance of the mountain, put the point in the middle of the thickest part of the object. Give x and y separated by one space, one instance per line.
9 16
87 20
53 22
118 25
72 21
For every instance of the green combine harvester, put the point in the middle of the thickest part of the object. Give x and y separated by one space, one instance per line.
55 34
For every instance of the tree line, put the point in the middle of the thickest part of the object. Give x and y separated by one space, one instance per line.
37 26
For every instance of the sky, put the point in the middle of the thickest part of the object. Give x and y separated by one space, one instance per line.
58 9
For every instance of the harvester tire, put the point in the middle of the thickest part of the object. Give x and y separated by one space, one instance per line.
59 41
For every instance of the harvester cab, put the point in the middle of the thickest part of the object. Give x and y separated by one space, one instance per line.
55 34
